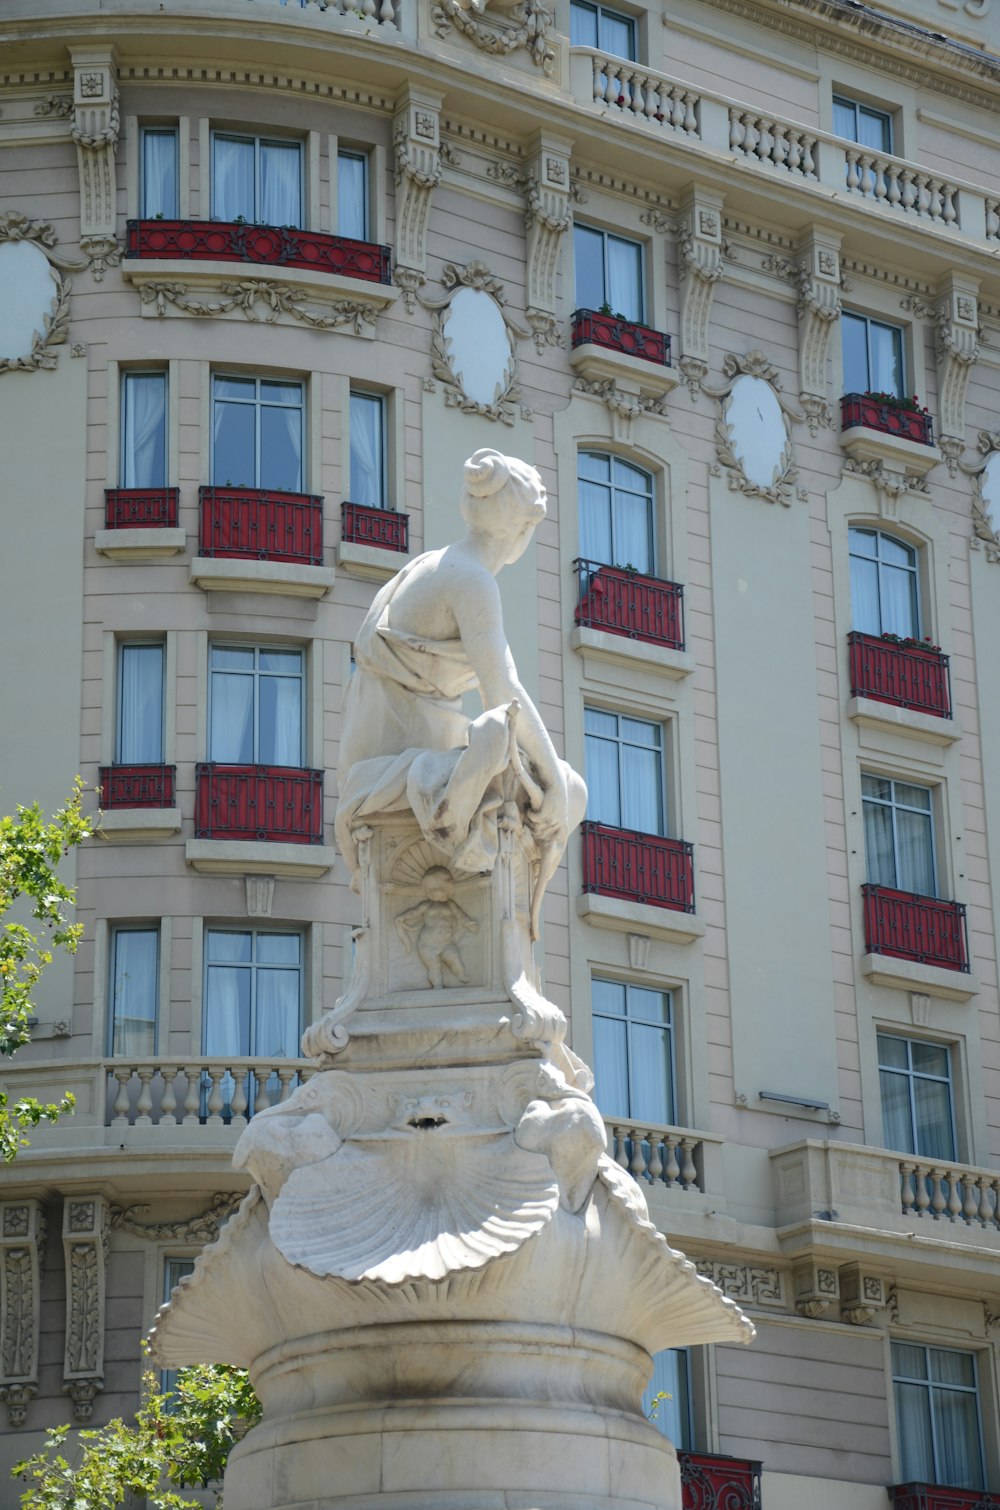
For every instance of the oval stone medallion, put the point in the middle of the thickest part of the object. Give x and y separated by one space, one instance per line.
28 291
757 433
479 345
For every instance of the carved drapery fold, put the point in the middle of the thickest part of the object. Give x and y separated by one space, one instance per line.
547 218
95 132
416 137
22 1247
85 1236
955 314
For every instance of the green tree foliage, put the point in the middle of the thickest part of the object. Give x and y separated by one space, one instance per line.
30 851
178 1440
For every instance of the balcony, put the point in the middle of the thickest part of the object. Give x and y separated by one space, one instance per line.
633 356
638 883
593 327
619 600
905 926
712 1482
258 820
939 1497
261 540
679 1160
140 524
270 245
905 673
163 1094
133 786
374 542
875 412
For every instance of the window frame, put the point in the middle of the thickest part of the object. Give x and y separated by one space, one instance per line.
253 966
917 569
928 1382
382 399
257 404
258 647
126 439
669 1029
121 647
606 236
599 11
931 813
222 133
905 385
910 1074
687 1426
613 458
848 102
362 155
151 128
117 930
663 751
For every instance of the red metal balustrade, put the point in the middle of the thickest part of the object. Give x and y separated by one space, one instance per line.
137 785
257 524
940 1497
638 867
712 1482
384 528
271 802
591 327
623 601
140 508
903 925
272 245
869 410
909 676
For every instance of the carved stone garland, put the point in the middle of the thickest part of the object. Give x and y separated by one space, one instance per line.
275 299
95 131
985 533
956 349
782 488
17 227
476 275
22 1248
416 136
203 1228
527 25
85 1237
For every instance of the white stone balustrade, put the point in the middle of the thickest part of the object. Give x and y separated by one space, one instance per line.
659 1155
900 185
198 1091
950 1192
643 95
772 141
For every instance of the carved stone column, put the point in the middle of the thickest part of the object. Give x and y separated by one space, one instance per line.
416 135
22 1246
818 279
85 1236
95 131
699 244
547 218
956 349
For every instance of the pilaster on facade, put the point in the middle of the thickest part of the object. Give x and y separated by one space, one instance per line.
22 1248
699 246
547 218
416 136
95 132
818 306
85 1238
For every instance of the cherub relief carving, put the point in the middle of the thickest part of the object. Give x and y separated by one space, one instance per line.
434 926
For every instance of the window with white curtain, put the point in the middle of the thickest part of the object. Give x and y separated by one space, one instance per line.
917 1106
617 516
257 433
256 180
597 26
873 356
143 429
862 124
885 587
938 1424
625 776
671 1414
633 1051
352 195
174 1270
256 705
253 994
368 473
139 734
609 272
158 173
135 968
899 835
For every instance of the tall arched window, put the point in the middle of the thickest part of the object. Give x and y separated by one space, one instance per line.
616 512
885 596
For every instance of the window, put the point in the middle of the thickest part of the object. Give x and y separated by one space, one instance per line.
158 194
884 585
256 180
174 1270
352 195
862 124
139 735
873 356
144 430
255 705
616 512
135 965
624 772
899 835
915 1081
595 26
608 272
368 475
672 1379
257 433
633 1052
937 1415
253 994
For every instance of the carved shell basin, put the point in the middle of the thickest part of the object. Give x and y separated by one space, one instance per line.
758 434
28 290
444 1203
989 483
479 345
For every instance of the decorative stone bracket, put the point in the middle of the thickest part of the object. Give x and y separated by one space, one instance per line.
85 1237
862 1294
816 1289
956 348
22 1248
700 254
816 274
547 218
624 406
890 484
416 136
95 132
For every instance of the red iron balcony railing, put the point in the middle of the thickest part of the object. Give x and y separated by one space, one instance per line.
592 327
254 524
623 601
940 1497
903 925
272 245
712 1482
140 508
872 411
282 804
384 528
900 672
137 785
638 867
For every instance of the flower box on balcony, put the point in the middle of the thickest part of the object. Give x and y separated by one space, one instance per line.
384 529
940 1497
638 867
140 508
622 601
907 673
137 786
593 327
879 411
267 803
270 245
710 1481
904 925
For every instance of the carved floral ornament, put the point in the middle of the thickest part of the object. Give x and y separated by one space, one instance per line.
986 496
525 24
34 297
474 343
753 431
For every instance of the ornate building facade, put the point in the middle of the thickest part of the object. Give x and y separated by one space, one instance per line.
728 273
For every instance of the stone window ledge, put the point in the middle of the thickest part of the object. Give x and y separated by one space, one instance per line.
661 923
601 364
911 975
889 719
225 574
370 561
252 857
139 544
138 825
894 451
621 650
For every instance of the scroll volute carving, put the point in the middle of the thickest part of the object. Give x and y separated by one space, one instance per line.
699 247
416 137
95 131
547 218
818 278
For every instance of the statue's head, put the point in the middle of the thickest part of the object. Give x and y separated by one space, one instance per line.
503 497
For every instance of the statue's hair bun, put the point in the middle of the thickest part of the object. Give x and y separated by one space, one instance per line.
486 472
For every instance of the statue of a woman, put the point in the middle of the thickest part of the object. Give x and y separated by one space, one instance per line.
433 633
